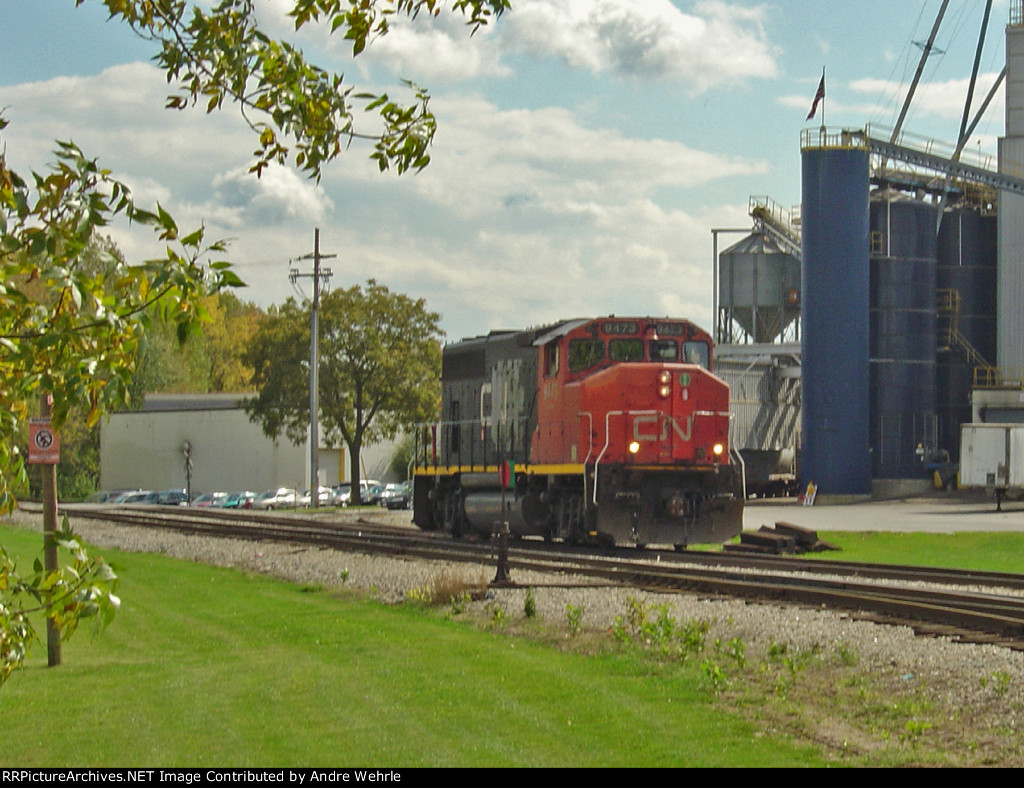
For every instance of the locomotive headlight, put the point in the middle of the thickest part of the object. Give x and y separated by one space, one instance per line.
718 448
634 447
665 384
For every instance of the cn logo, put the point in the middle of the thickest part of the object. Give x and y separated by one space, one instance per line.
658 427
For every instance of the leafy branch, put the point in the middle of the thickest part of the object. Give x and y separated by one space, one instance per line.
83 588
223 55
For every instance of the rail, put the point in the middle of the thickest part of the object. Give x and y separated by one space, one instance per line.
999 378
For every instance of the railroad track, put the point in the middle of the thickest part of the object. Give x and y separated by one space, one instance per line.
976 607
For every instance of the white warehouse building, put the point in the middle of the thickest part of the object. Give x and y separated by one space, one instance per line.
145 448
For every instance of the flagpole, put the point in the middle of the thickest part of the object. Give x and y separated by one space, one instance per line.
824 100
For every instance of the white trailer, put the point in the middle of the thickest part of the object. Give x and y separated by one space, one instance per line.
992 456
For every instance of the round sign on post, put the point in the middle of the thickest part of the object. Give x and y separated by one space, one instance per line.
43 443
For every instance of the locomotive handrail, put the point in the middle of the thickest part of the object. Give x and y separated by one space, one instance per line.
441 432
590 434
608 436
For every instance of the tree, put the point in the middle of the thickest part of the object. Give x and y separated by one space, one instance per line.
380 367
209 361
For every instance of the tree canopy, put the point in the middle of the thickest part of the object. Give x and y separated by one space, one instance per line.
380 367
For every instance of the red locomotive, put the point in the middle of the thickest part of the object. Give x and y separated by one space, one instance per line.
611 430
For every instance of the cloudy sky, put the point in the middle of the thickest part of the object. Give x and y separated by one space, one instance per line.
586 148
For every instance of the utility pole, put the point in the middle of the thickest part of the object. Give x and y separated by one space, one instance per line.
314 363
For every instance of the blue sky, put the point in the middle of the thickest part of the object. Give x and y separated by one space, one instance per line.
585 147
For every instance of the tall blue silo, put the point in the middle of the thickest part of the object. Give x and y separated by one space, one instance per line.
836 302
903 334
967 283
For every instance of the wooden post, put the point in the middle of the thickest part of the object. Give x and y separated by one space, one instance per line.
48 472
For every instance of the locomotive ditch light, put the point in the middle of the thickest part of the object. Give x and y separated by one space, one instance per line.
634 447
718 448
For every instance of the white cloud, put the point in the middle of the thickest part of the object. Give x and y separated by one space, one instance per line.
546 163
718 43
943 100
279 194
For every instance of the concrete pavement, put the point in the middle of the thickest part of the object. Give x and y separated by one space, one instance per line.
940 513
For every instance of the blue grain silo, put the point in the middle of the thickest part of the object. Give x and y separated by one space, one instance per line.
966 276
836 303
904 423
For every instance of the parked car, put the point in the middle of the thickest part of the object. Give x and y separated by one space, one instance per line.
326 497
237 500
369 489
137 497
281 498
209 499
397 496
172 498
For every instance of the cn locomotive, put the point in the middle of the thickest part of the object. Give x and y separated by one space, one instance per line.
609 430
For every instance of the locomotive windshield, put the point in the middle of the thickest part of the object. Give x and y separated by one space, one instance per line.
626 349
664 350
696 353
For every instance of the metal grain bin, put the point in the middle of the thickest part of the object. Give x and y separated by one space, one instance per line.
759 289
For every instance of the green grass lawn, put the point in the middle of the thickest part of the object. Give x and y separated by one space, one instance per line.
995 552
212 667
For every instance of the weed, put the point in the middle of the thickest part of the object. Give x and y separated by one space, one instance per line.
714 676
620 631
343 575
636 614
847 655
999 680
913 730
661 630
777 650
574 618
737 650
448 588
530 604
417 596
496 613
458 603
692 636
